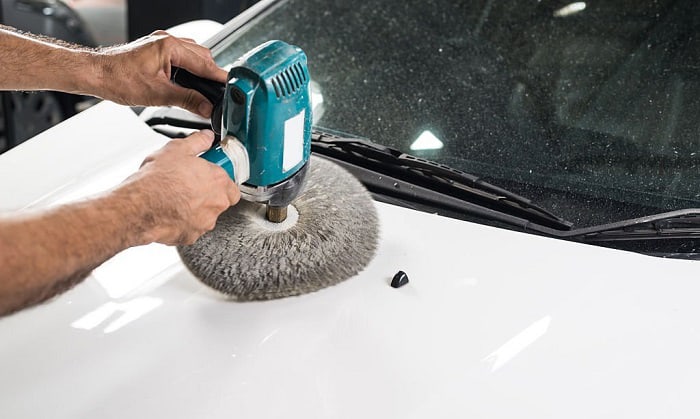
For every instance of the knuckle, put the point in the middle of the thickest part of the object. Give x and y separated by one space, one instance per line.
200 143
169 40
164 41
236 197
217 205
148 159
204 138
224 203
220 175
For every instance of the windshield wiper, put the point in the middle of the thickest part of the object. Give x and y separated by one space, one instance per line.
477 196
414 178
400 174
681 224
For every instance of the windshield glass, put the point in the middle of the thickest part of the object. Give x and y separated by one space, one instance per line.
590 109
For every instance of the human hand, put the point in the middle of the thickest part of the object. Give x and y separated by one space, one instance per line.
181 194
138 73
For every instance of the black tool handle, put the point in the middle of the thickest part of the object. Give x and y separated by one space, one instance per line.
212 90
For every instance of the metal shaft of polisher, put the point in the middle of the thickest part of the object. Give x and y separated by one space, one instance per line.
276 214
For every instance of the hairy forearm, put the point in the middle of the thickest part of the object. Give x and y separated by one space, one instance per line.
134 74
34 63
44 254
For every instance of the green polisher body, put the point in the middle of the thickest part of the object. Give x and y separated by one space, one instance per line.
263 116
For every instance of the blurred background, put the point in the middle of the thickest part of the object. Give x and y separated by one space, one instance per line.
91 23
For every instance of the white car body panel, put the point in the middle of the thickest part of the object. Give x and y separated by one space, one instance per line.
198 30
493 323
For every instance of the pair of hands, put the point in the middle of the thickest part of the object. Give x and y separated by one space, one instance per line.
181 194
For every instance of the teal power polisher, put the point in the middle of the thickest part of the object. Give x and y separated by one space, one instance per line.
262 116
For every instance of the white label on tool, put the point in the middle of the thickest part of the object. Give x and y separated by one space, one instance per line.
293 141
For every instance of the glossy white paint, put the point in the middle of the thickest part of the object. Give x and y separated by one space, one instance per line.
493 324
199 30
89 153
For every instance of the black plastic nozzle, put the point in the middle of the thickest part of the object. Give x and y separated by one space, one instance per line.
399 280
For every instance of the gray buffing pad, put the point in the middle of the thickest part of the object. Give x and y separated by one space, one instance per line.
330 234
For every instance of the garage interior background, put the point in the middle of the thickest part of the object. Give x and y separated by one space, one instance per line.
92 23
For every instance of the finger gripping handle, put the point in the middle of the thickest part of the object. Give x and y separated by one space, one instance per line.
210 89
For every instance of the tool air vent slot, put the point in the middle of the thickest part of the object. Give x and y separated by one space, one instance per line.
289 80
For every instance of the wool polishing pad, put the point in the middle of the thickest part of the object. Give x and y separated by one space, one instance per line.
330 234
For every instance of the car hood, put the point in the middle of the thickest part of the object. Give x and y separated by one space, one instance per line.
493 323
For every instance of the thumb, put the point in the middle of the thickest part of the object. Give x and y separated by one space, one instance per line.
199 142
